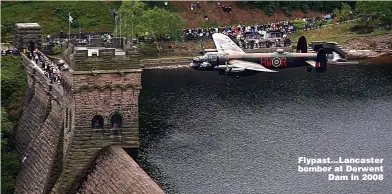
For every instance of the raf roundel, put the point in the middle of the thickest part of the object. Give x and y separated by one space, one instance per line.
276 62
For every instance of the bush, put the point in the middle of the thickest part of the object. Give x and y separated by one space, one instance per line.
286 12
209 24
13 79
57 50
13 85
148 50
299 23
362 29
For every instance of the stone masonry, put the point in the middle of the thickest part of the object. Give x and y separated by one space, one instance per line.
39 133
65 129
110 174
27 34
103 86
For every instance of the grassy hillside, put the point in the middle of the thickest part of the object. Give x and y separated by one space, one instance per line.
53 15
96 15
240 14
332 33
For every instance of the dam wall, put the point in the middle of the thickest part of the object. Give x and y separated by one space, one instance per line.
39 132
74 129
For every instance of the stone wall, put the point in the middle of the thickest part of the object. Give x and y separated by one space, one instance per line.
114 171
154 63
56 136
103 94
38 134
102 86
106 59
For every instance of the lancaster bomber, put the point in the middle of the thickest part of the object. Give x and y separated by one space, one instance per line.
229 59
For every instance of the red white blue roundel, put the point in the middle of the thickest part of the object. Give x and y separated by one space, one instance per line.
276 62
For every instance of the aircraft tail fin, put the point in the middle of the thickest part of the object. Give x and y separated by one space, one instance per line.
302 45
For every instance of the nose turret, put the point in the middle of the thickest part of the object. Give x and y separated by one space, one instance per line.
200 63
196 60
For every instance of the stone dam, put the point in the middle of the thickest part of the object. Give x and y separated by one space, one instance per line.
79 136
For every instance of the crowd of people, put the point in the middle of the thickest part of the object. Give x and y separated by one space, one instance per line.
51 71
285 27
82 39
9 51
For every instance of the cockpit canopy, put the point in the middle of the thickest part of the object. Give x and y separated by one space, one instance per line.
196 59
280 51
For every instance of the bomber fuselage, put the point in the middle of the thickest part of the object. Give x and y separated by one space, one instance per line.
272 60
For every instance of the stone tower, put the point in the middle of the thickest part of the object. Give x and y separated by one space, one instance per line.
101 90
28 36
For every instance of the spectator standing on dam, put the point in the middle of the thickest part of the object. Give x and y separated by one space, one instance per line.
36 57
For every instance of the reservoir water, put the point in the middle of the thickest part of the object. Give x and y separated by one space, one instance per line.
204 133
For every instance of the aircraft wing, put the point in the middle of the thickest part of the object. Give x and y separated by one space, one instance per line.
225 45
249 66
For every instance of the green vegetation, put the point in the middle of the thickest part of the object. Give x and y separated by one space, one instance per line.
210 24
139 19
13 87
9 159
380 12
333 33
148 50
57 50
13 81
270 7
53 15
345 13
170 7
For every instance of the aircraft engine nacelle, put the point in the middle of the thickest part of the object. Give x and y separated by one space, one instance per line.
204 51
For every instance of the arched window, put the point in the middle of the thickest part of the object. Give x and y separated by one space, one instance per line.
116 121
97 122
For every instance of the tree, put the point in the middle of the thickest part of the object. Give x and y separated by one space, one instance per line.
159 22
380 11
338 14
345 12
138 19
9 159
13 84
130 12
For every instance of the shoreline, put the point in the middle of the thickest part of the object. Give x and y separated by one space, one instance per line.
354 57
